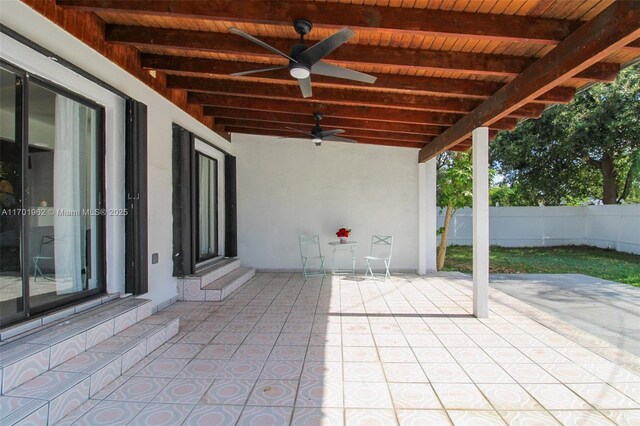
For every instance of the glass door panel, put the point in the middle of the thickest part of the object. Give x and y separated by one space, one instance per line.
11 288
207 207
62 197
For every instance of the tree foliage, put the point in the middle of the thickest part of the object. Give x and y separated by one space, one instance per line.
586 150
454 191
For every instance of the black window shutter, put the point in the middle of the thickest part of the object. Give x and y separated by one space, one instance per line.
231 214
182 202
136 251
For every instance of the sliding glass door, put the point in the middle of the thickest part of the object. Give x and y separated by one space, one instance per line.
12 294
207 172
52 239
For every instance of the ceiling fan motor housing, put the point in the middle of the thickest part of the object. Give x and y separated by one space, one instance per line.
296 50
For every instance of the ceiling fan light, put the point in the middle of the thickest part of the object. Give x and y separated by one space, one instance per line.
299 72
316 140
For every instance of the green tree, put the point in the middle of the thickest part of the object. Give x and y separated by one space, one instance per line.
588 149
454 191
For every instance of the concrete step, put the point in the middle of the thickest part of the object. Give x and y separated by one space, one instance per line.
27 355
222 287
217 270
48 397
216 283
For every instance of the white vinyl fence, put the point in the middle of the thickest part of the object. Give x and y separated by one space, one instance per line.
615 226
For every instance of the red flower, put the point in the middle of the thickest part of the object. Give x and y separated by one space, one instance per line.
343 232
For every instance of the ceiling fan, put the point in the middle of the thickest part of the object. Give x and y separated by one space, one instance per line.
318 135
305 60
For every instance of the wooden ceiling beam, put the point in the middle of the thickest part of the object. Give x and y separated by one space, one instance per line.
613 28
469 63
306 127
291 91
448 86
295 135
302 106
350 133
394 20
330 122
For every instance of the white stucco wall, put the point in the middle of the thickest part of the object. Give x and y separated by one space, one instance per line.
611 226
161 114
287 187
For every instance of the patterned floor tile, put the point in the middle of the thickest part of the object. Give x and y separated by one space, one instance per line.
433 355
318 370
183 391
591 418
528 373
282 370
396 354
363 372
318 416
366 395
603 396
139 389
360 354
201 368
213 415
461 396
475 418
162 414
163 367
375 417
231 392
251 352
404 372
445 373
111 413
414 396
182 350
556 397
508 397
623 417
241 370
217 352
264 416
528 418
422 417
487 373
320 393
274 393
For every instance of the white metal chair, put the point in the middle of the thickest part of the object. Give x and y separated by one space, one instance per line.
381 248
310 254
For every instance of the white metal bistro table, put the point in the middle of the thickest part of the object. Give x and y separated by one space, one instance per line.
338 246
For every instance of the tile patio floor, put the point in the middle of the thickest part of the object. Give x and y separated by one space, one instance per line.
339 351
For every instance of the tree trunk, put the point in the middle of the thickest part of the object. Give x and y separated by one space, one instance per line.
442 249
609 184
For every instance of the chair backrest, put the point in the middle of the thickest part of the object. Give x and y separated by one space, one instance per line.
381 246
310 246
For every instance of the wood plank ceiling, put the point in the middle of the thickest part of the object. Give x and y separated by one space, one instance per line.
437 62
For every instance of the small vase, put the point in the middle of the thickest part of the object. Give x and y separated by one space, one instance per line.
343 240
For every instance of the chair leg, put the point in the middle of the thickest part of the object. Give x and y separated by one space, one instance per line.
387 273
369 270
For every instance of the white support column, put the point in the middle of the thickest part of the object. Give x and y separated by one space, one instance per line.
480 154
427 217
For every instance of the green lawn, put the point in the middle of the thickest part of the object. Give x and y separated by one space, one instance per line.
601 263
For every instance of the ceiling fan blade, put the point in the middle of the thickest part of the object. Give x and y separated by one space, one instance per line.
322 48
260 70
305 86
323 68
339 139
328 133
259 42
300 131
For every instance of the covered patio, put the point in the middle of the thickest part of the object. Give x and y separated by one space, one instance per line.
362 352
192 158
